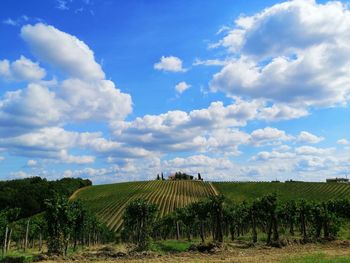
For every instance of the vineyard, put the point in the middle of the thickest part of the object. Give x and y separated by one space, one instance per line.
109 201
240 191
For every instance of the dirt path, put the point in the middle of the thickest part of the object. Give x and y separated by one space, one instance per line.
214 189
234 253
74 195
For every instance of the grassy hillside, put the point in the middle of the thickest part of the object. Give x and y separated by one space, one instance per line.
109 201
239 191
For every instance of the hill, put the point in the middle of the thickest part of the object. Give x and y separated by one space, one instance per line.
109 201
239 191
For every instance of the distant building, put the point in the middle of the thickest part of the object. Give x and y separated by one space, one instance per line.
337 180
180 176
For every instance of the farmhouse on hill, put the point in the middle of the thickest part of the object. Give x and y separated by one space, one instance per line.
337 180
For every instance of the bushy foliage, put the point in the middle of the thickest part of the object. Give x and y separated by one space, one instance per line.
29 194
139 217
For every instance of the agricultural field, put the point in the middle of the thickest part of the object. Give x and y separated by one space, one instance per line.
109 201
240 191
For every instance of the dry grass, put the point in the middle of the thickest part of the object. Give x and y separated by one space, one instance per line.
237 254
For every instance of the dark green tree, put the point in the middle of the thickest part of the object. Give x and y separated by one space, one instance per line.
139 217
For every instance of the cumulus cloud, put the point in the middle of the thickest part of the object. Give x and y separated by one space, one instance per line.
22 69
181 87
31 108
171 63
49 143
269 136
278 112
46 104
308 138
63 51
213 129
99 100
294 52
310 150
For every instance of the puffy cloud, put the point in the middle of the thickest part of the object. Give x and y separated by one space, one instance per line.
64 51
310 150
99 100
212 129
171 63
269 136
82 159
294 52
306 137
22 69
31 108
343 142
279 112
49 143
181 87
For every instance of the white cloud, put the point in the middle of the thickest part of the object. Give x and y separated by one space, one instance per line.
2 158
81 159
64 51
171 63
99 100
181 87
209 129
22 69
269 136
31 108
310 150
308 138
279 112
294 53
265 155
47 104
343 142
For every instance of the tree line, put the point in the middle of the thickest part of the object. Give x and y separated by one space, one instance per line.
37 214
29 194
217 219
64 224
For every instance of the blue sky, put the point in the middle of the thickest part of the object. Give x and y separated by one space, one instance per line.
122 90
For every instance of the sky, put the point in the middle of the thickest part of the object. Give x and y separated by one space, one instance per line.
118 91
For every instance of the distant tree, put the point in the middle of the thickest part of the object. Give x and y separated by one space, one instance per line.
158 178
162 177
199 176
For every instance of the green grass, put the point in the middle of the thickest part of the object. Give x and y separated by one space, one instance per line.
19 256
319 258
170 246
240 191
